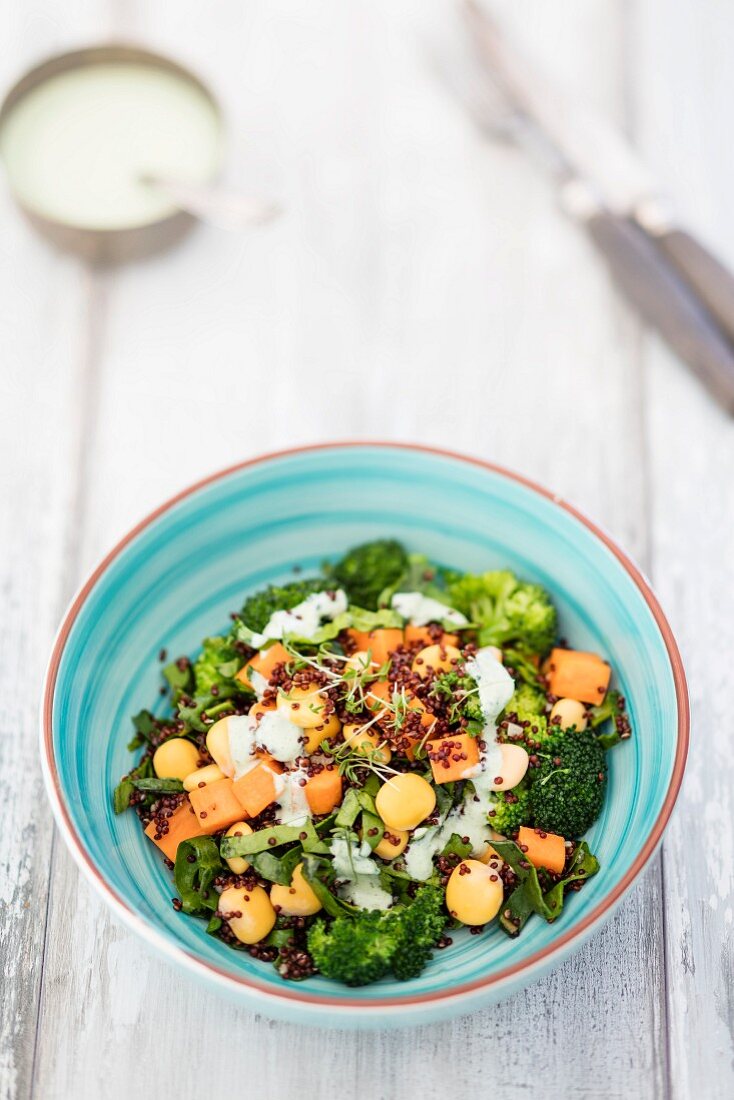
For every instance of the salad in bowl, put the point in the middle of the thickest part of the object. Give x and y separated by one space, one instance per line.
373 757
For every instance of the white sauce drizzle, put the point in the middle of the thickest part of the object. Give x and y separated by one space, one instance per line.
358 874
274 733
304 619
420 610
259 682
294 807
496 688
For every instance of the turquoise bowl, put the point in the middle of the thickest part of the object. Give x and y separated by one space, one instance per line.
178 574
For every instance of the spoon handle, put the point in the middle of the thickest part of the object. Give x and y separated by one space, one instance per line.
215 205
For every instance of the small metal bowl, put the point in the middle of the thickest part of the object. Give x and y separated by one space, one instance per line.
119 244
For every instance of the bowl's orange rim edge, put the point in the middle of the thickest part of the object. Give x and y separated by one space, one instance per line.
179 954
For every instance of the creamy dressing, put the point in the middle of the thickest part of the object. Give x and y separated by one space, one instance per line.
470 820
496 688
274 733
294 807
241 732
358 874
259 682
78 146
420 610
304 619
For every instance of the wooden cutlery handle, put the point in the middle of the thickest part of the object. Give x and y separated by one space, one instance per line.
712 281
644 274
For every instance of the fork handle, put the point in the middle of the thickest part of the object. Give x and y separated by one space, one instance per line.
711 280
640 267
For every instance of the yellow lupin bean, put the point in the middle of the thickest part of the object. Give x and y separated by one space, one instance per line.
474 892
175 758
303 707
515 761
238 864
386 849
569 712
208 774
404 801
367 742
248 913
317 734
296 900
442 658
217 743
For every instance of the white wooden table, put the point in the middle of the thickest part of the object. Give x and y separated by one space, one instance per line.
422 286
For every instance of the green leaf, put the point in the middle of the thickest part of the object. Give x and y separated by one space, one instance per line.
266 839
180 680
214 706
367 802
145 728
318 873
278 868
456 847
159 786
194 878
527 897
371 821
122 794
348 811
582 866
125 789
364 620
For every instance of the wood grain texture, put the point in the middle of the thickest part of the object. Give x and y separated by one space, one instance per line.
692 450
421 286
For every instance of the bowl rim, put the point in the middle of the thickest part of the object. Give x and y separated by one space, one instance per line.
544 957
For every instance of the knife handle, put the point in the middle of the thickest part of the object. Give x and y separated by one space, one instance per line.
665 301
712 282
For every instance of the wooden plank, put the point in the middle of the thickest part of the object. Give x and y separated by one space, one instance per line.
420 286
45 385
683 91
44 374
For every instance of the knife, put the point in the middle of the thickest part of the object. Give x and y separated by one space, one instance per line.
672 279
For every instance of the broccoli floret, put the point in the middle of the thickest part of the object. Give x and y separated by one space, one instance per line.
568 788
419 926
462 692
527 702
527 707
511 810
362 948
366 570
355 949
506 610
259 607
217 665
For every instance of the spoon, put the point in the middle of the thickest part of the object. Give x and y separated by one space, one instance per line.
218 206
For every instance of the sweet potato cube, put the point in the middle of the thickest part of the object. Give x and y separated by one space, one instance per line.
324 791
182 825
452 757
543 849
423 635
263 662
573 674
256 789
380 642
216 806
